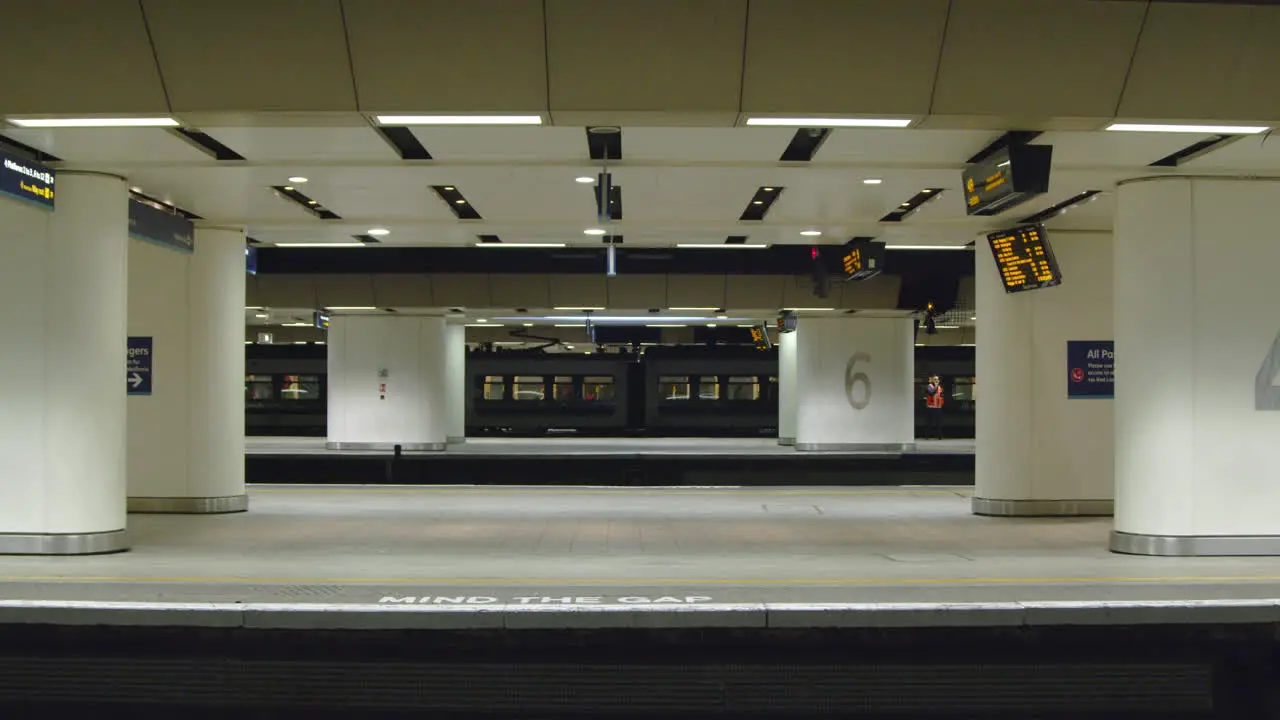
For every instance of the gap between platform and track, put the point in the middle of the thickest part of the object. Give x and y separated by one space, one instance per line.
397 616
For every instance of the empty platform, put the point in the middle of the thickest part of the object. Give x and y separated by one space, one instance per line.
611 462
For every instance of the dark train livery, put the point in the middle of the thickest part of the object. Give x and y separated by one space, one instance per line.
664 391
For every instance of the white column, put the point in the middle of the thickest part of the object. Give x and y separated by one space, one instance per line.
455 377
854 384
1197 409
186 439
62 393
387 382
1040 452
787 388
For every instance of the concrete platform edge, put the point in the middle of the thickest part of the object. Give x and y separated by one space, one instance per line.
189 505
400 616
1042 508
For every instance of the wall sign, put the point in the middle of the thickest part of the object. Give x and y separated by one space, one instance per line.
160 227
1091 369
26 180
137 374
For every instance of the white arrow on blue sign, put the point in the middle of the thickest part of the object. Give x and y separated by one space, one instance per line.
137 372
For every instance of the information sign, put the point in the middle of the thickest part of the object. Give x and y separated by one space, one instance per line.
26 180
137 373
1091 369
160 226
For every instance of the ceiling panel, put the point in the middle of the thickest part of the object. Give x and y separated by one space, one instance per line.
1256 152
314 144
444 55
685 195
1205 61
645 55
69 56
264 55
1056 58
829 56
529 193
510 144
902 147
677 145
111 145
1112 148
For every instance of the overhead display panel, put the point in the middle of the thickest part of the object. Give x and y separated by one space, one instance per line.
1024 258
1010 176
25 180
862 259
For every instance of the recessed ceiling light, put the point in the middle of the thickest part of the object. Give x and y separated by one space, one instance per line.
768 189
93 122
830 122
136 189
528 324
593 231
297 179
584 179
723 317
460 201
289 188
711 324
459 119
1171 128
379 231
757 202
481 320
261 316
449 187
312 202
872 181
811 233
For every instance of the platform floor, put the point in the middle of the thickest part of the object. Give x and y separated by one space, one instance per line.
370 545
574 446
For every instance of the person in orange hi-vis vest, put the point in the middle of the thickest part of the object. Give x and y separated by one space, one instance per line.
934 397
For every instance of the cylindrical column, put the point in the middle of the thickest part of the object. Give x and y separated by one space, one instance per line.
455 374
1041 451
387 383
854 384
1198 367
62 396
787 388
186 438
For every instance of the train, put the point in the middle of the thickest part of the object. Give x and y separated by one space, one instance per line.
662 391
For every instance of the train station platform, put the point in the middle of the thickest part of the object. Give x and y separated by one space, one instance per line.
609 462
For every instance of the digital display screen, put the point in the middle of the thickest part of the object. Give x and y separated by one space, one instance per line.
760 337
322 321
1024 258
1010 176
862 259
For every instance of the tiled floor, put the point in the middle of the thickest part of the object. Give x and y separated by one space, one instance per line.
360 544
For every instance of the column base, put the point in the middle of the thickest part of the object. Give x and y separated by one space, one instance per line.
455 440
897 448
100 543
1194 545
381 446
786 441
189 505
1042 508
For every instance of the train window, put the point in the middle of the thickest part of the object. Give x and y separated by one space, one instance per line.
300 387
708 387
494 387
673 387
743 388
258 387
562 388
598 388
528 387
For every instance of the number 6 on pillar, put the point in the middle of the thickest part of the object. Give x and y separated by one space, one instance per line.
1267 393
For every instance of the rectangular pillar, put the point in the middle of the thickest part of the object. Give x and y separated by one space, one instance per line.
787 388
854 384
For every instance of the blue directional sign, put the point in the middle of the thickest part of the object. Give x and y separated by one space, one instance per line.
137 374
26 180
160 226
1091 369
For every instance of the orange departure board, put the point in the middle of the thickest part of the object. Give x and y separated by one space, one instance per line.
1024 258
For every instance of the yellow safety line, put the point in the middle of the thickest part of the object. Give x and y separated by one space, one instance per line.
643 581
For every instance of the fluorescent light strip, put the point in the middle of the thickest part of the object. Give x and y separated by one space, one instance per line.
572 325
316 244
520 245
664 325
927 247
830 122
459 119
93 122
721 246
484 325
298 324
946 327
1206 129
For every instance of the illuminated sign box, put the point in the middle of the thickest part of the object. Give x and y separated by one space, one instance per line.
25 180
1009 177
153 225
1024 258
862 259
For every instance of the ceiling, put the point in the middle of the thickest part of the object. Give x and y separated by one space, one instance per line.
679 185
